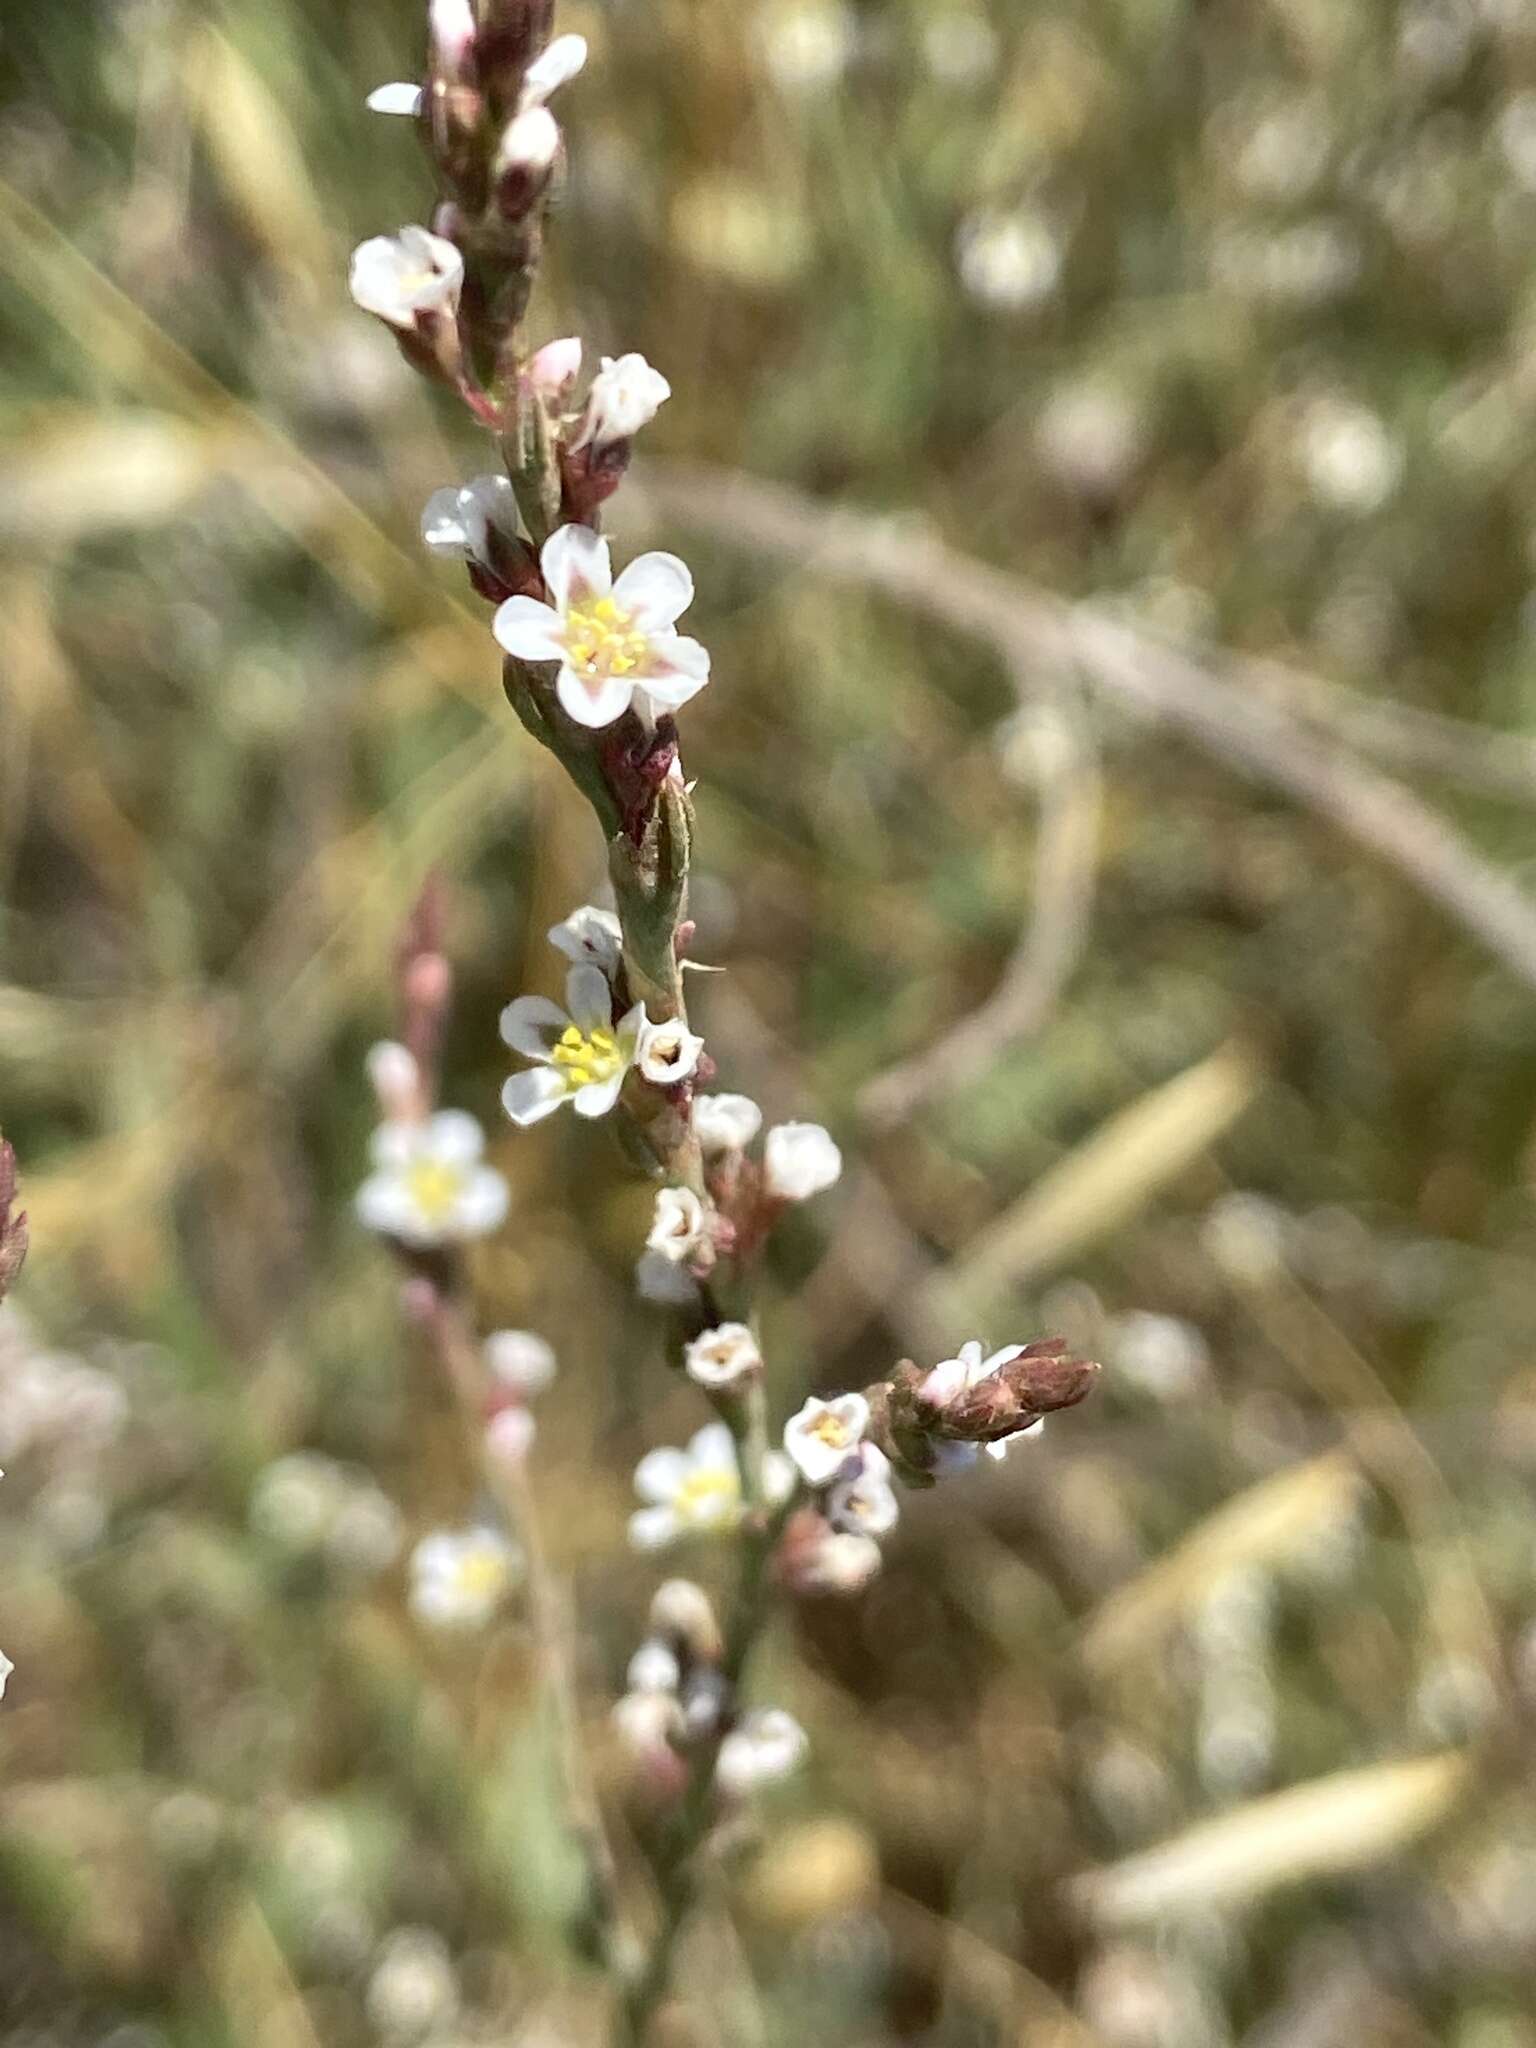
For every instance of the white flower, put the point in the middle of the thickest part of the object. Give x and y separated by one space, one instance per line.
653 1668
610 638
554 368
520 1361
955 1376
582 1054
457 520
396 1080
668 1053
800 1160
6 1668
556 65
723 1357
592 936
1352 459
725 1123
681 1609
765 1746
413 1990
429 1186
841 1563
626 395
823 1435
807 47
510 1433
647 1721
530 142
658 1280
401 276
697 1491
459 1577
677 1226
402 96
863 1503
1009 260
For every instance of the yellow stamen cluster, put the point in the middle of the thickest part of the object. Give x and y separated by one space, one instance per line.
479 1572
705 1498
600 640
583 1057
830 1429
434 1187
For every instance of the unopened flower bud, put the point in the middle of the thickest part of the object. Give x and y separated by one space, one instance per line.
451 29
725 1123
626 395
682 1610
800 1160
647 1721
842 1563
677 1227
524 159
767 1746
520 1361
653 1668
553 370
509 1435
396 1081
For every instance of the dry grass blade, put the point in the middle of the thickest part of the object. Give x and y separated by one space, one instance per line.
1340 1823
79 473
254 149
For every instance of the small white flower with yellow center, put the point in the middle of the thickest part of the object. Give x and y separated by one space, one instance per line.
590 937
697 1491
429 1185
763 1747
582 1054
825 1434
610 638
668 1053
400 277
863 1503
459 1577
677 1226
626 395
725 1123
955 1376
724 1357
800 1160
459 518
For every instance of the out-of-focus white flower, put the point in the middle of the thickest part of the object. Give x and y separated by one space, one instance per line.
842 1562
696 1491
626 395
520 1361
1353 462
429 1186
590 936
529 144
824 1434
553 369
668 1053
725 1123
677 1225
724 1357
458 519
401 96
556 65
952 1377
510 1434
459 1577
800 1160
683 1610
582 1055
306 1503
658 1280
396 1081
807 47
653 1668
863 1503
412 1991
1009 260
767 1745
53 1402
1091 435
646 1722
1245 1234
400 277
6 1668
365 1536
1163 1355
959 46
611 638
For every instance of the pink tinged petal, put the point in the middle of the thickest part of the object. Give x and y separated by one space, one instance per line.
576 566
655 589
529 630
454 1137
588 998
598 1097
675 668
529 1097
531 1024
654 1528
947 1379
659 1474
596 702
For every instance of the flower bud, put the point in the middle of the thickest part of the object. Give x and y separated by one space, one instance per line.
408 279
524 159
626 395
766 1746
800 1160
396 1081
677 1227
555 65
520 1361
509 1435
552 371
725 1123
682 1610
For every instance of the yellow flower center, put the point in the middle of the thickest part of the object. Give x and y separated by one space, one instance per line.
480 1572
830 1429
708 1498
601 641
583 1057
434 1187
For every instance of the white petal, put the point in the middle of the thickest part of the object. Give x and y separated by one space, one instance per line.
442 525
970 1357
656 589
594 703
588 998
653 1528
383 1204
554 66
598 1097
947 1379
576 566
660 1473
520 1359
483 1205
529 630
713 1448
780 1477
454 1137
401 97
531 1024
998 1360
533 1095
394 1144
675 668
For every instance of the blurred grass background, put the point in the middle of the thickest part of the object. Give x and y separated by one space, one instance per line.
1201 1722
